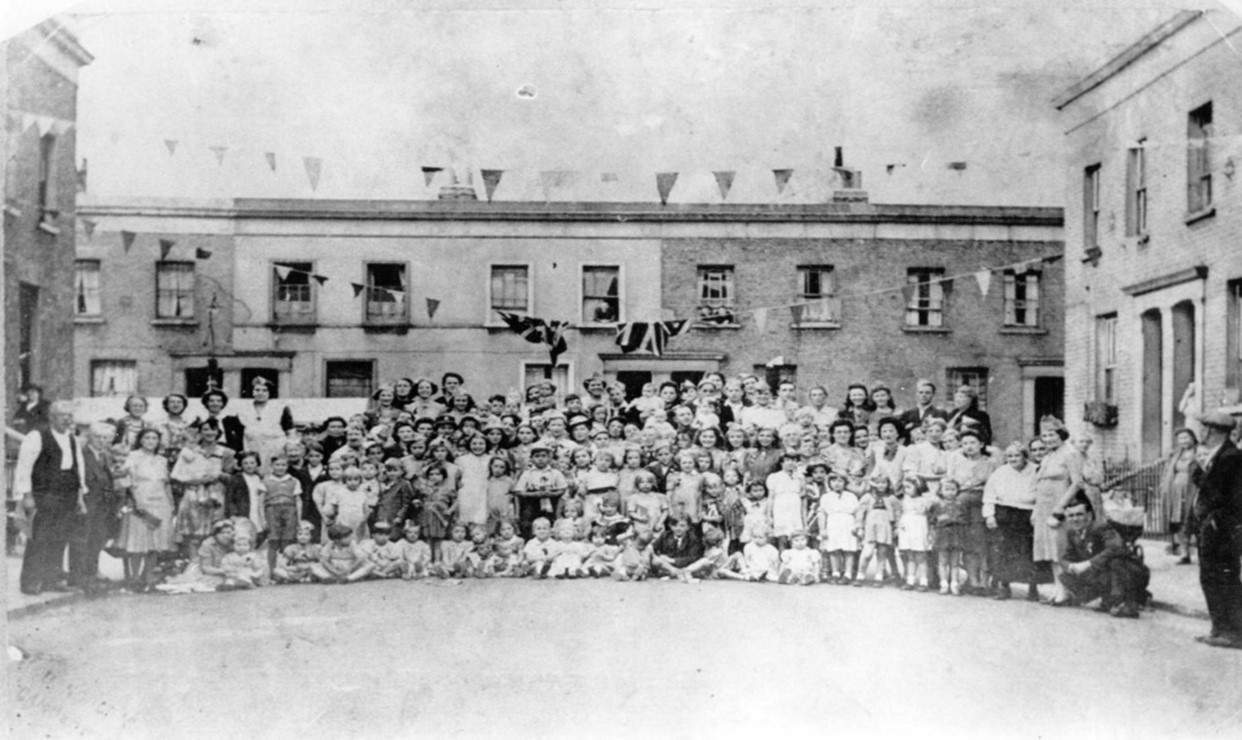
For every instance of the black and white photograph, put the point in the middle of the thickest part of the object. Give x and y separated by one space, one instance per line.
622 368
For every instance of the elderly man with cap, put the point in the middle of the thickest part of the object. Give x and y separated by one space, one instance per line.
51 481
1219 511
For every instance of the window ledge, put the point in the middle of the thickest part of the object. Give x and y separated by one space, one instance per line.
294 326
816 325
926 329
1200 215
12 210
388 328
88 320
174 322
713 327
48 228
597 326
1037 330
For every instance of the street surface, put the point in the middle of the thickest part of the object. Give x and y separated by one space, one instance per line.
602 659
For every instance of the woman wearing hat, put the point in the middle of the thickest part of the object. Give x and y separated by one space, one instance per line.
967 415
1057 479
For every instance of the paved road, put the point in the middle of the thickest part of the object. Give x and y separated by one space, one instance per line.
602 659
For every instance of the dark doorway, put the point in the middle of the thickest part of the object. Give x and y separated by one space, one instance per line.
1153 379
1049 399
634 380
1183 318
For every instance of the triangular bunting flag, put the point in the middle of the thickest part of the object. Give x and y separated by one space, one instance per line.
1052 258
45 124
797 310
171 145
201 254
984 278
491 178
89 227
396 295
908 292
358 288
724 181
664 183
429 174
271 159
432 306
166 246
282 272
313 166
782 179
219 151
321 279
761 319
946 285
127 240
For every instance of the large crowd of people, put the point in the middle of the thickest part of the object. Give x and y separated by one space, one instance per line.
720 479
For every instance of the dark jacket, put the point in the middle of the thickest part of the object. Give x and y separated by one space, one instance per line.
1099 543
236 496
972 418
912 419
682 554
1220 487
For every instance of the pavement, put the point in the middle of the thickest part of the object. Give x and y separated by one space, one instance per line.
1175 588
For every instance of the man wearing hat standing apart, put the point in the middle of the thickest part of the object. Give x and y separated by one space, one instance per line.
50 478
1219 509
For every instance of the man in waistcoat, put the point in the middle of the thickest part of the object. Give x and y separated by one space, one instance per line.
51 481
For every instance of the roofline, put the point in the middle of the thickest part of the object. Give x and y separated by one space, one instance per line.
1149 41
58 33
447 210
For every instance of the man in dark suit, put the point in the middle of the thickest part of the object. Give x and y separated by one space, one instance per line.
924 408
50 478
99 524
676 549
1219 510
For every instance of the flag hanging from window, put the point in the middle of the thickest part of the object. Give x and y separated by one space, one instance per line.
641 336
538 331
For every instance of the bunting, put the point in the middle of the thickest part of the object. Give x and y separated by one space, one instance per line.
491 178
127 240
782 179
271 159
321 279
358 288
429 174
724 181
166 246
171 146
432 306
201 254
538 331
984 278
946 286
313 167
282 272
796 310
640 336
89 227
219 152
664 183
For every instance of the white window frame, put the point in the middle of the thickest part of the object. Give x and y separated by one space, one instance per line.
1091 207
561 391
1198 161
953 374
326 379
312 284
495 321
1032 305
1106 327
700 301
404 318
802 297
1136 190
929 277
100 364
582 317
192 290
98 294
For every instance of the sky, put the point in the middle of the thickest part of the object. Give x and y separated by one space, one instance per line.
374 90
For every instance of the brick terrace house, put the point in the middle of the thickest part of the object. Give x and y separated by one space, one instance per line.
40 92
592 264
1154 267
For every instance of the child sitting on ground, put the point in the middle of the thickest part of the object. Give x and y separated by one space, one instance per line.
415 554
568 561
541 549
340 561
453 562
635 561
382 552
243 568
482 555
714 556
799 564
604 553
758 561
296 560
508 548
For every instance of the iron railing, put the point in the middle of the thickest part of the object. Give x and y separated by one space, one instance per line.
1141 481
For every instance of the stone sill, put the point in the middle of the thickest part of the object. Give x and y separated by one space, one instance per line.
816 326
926 330
1032 330
1200 215
88 320
175 323
48 228
714 327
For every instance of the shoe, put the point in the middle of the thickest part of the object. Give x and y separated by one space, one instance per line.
1002 594
33 591
1032 595
1057 602
877 584
944 589
957 590
1222 641
1125 611
858 582
922 588
1184 561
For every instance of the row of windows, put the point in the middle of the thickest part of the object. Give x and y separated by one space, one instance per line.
510 289
357 378
925 304
1198 180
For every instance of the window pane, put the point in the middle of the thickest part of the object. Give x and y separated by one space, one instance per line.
349 379
385 291
294 293
601 294
86 288
175 290
114 377
510 284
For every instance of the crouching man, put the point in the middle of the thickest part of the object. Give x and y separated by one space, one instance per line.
1098 565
